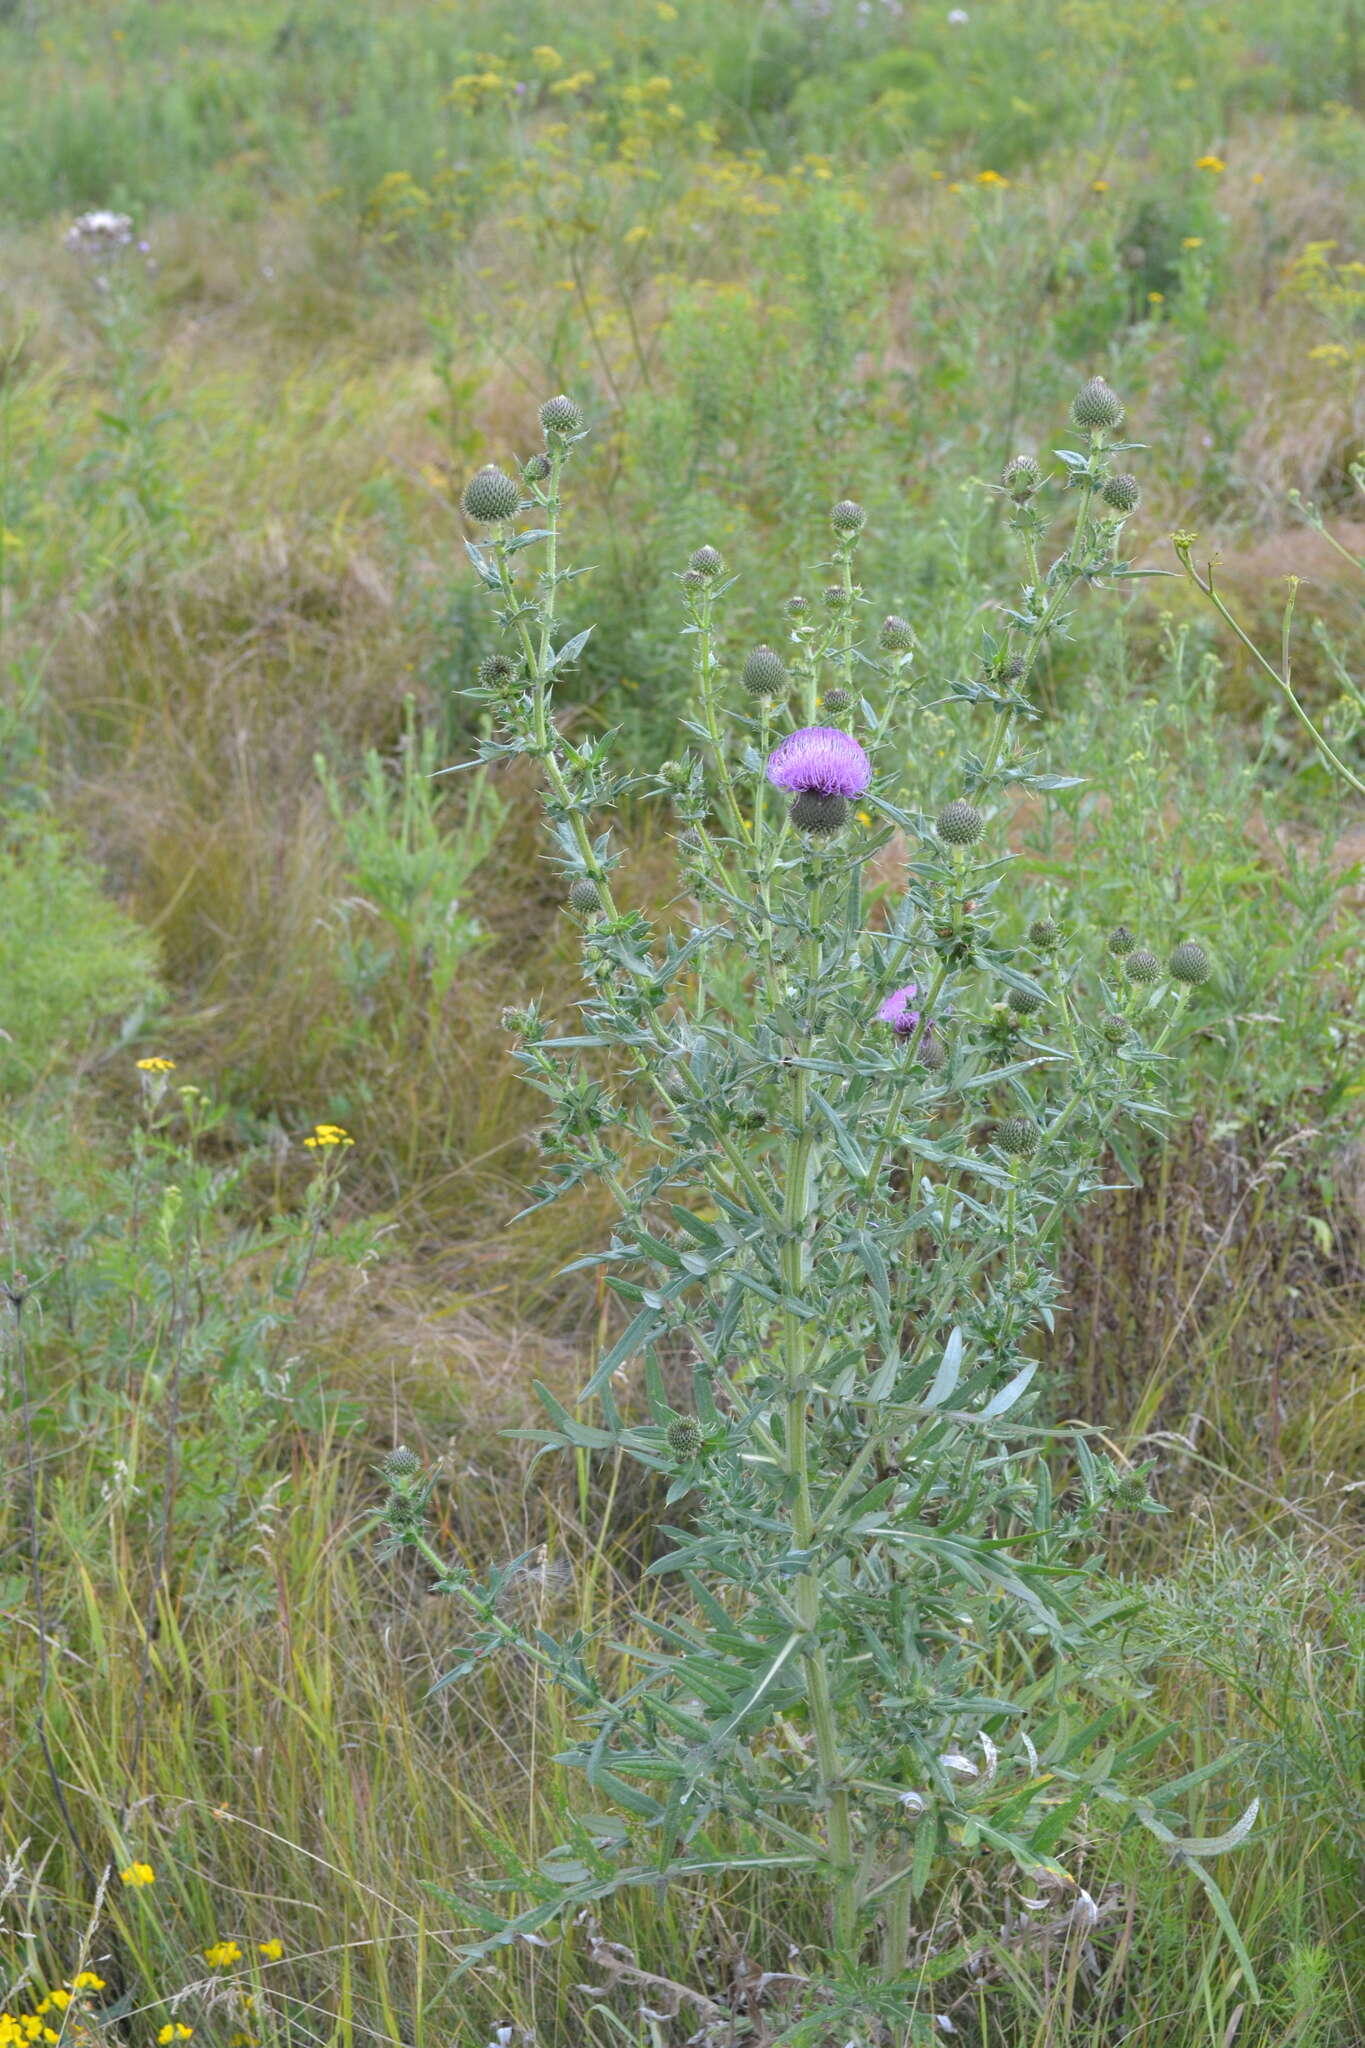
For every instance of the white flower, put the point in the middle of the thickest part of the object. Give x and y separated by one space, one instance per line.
99 232
958 17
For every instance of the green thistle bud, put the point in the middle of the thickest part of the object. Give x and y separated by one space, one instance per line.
1114 1029
837 699
676 774
1024 1001
400 1465
959 824
560 416
584 896
932 1053
1121 493
896 635
797 607
693 581
490 495
1009 667
685 1439
847 517
707 562
1120 942
837 599
764 673
1142 966
1044 934
1021 476
1017 1135
536 468
1096 406
817 814
1190 963
499 672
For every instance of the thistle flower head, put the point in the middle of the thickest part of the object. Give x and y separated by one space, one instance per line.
560 417
1142 966
1121 941
959 823
1044 934
897 1012
684 1435
1017 1135
1021 476
536 468
819 760
1121 494
584 896
498 672
838 699
1190 963
1024 1001
847 517
764 673
707 562
1096 406
797 607
491 495
896 635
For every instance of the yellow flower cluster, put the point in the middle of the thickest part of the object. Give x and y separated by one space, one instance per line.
18 2029
138 1873
1336 293
221 1955
156 1066
174 2030
1213 164
323 1136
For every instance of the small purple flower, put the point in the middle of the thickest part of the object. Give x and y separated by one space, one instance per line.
896 1011
822 767
822 760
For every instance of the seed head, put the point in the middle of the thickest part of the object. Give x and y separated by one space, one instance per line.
896 636
837 599
959 824
1095 405
1142 966
1190 963
837 699
707 562
693 581
764 673
796 607
1021 476
560 417
584 896
491 495
1114 1029
536 468
847 517
1120 942
498 672
1017 1135
685 1439
1044 934
401 1464
1121 493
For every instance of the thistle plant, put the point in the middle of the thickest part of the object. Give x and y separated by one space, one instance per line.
842 1130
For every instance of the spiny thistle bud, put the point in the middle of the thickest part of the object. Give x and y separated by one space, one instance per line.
1121 493
1120 941
400 1465
796 607
1021 476
560 416
1190 963
896 636
498 672
1142 966
685 1439
693 580
490 495
837 599
584 896
1009 667
1024 1001
1095 405
932 1053
707 562
1018 1136
1113 1028
847 517
959 824
676 774
837 699
536 468
1044 934
764 673
816 813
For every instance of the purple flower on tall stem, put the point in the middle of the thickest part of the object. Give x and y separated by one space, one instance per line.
896 1010
822 768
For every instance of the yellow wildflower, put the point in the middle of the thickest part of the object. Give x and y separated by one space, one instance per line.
1258 177
138 1873
272 1950
991 178
174 2030
156 1066
1156 298
1099 184
86 1980
1210 163
1192 242
954 187
664 11
546 58
321 1137
222 1954
1329 352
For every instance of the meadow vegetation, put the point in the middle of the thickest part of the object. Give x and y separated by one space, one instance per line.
266 1147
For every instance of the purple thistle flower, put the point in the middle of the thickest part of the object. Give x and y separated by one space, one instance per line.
821 760
896 1011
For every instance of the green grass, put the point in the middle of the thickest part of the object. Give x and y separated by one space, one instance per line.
230 544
